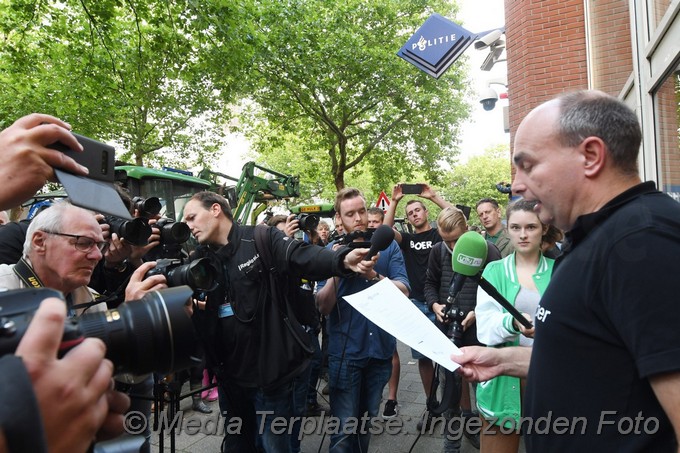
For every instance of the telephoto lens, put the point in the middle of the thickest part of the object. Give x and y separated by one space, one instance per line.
152 334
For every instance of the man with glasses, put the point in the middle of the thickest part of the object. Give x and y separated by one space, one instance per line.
63 245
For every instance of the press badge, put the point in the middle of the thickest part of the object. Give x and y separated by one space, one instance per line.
225 310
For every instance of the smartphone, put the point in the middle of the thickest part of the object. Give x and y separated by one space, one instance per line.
411 189
96 156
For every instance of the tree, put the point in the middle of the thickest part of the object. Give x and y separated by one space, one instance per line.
136 73
470 182
326 73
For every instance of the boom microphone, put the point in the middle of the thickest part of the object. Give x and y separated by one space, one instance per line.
381 239
468 259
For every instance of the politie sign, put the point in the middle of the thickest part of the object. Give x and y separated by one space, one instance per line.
436 45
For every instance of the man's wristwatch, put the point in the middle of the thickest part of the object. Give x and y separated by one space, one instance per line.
376 278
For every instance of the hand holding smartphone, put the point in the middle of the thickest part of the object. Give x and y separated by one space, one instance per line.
411 189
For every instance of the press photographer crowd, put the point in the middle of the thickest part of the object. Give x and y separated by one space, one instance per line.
566 330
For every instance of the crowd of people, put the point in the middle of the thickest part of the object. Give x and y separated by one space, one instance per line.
601 347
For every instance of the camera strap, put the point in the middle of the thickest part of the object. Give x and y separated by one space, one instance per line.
26 274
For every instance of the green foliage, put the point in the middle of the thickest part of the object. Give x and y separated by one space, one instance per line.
135 73
326 73
470 182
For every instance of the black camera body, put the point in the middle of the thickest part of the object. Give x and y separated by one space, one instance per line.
350 239
153 334
199 275
307 222
453 319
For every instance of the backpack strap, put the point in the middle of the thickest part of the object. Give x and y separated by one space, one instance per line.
264 247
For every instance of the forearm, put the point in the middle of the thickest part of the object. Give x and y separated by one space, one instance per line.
439 201
326 297
390 214
516 361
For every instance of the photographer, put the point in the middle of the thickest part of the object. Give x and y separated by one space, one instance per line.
235 311
452 224
34 415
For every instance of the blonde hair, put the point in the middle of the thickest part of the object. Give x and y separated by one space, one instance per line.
450 219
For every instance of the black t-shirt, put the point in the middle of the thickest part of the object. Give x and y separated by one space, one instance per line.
609 320
416 250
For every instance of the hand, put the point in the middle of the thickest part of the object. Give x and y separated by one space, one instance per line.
118 251
397 194
427 192
292 226
479 363
138 286
469 320
354 261
27 163
529 333
438 310
75 393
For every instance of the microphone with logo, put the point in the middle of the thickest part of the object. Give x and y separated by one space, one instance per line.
467 260
381 239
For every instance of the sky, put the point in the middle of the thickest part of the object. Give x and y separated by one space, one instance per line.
484 128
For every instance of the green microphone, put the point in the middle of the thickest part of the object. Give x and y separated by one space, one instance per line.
469 254
468 259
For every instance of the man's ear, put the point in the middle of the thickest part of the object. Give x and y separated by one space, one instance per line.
594 153
38 242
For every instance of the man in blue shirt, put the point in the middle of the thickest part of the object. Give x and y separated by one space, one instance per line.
360 353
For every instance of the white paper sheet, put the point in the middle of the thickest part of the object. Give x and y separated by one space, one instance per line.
387 307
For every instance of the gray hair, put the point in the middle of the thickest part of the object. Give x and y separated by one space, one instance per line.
48 219
589 113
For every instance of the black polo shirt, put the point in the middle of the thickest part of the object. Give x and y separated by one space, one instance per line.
609 320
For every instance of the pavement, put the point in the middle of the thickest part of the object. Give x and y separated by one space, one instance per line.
199 433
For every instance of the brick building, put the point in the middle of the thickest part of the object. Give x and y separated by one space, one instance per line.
627 48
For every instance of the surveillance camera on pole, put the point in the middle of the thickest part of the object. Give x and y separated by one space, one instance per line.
490 39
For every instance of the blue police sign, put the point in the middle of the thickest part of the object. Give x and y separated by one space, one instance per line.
436 45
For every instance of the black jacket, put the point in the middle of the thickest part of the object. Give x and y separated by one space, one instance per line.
233 339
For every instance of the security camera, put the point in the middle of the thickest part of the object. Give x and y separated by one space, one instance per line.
488 98
490 39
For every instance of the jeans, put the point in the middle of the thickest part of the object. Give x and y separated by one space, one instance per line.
355 389
245 406
315 368
299 406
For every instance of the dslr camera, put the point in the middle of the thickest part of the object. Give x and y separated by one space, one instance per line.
153 334
307 222
199 275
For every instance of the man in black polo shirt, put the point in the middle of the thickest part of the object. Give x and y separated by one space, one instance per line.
604 373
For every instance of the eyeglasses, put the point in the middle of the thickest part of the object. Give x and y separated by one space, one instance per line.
84 244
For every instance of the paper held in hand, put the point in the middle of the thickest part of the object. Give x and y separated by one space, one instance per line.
387 307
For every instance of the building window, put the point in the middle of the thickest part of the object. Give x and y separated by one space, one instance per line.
667 113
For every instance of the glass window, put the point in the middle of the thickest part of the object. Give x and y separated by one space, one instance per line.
656 8
667 113
610 41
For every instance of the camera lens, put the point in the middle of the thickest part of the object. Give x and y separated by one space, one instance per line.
199 274
173 232
135 231
153 334
147 207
